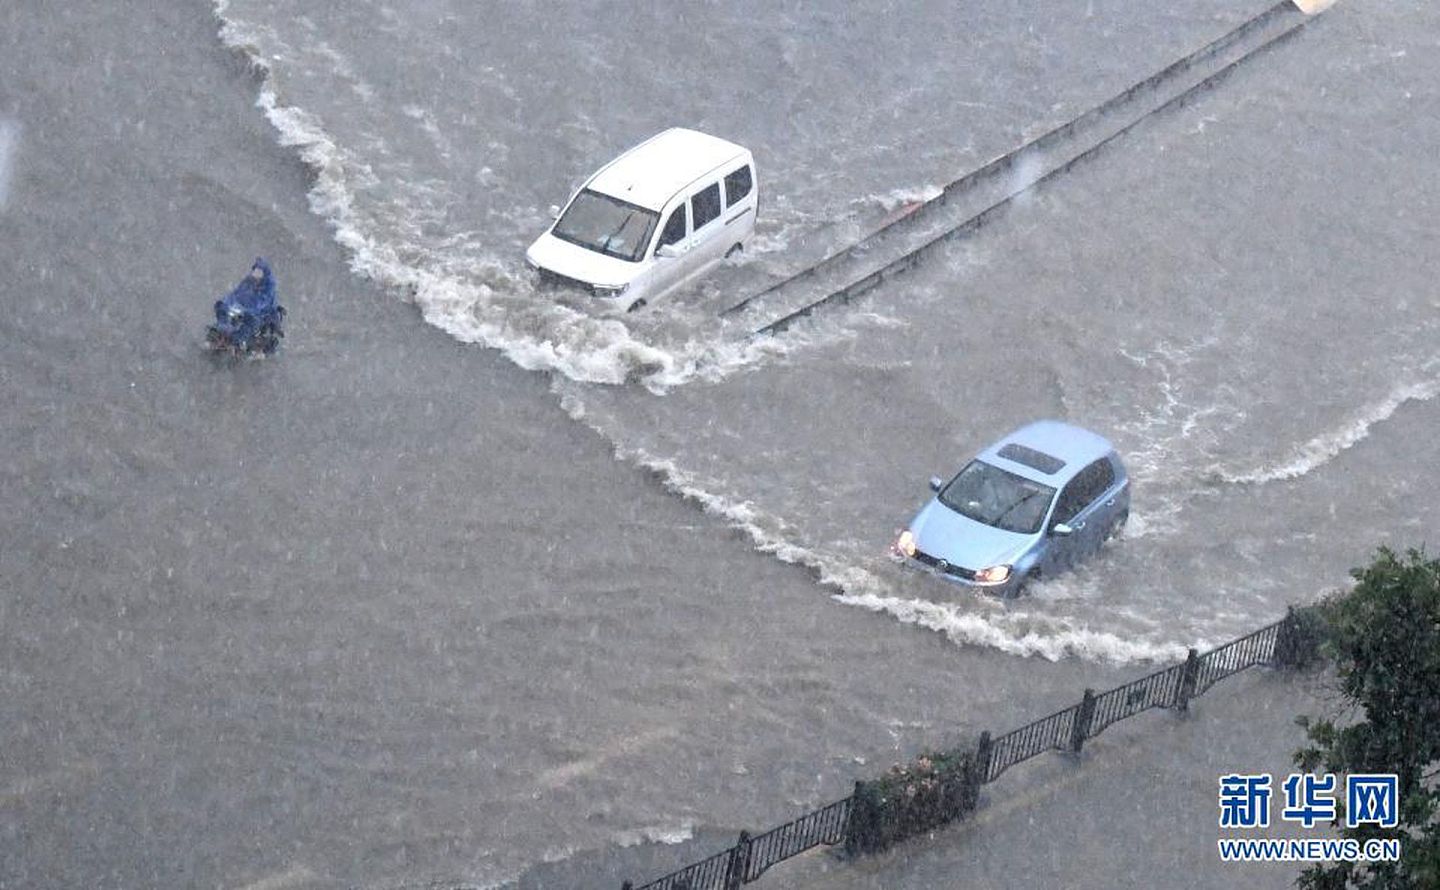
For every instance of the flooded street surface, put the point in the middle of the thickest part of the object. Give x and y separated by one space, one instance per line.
464 582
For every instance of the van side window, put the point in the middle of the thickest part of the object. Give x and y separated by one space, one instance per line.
674 231
737 185
705 206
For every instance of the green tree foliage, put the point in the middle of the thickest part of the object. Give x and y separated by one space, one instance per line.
1384 637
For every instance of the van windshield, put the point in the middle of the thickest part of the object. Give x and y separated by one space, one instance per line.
607 225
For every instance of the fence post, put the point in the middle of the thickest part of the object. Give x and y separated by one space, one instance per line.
1080 729
978 771
1188 678
739 861
1284 653
862 821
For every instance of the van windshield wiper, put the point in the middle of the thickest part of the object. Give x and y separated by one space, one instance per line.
605 242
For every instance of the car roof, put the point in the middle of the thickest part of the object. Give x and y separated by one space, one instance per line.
652 172
1069 443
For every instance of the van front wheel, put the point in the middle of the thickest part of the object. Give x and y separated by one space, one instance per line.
636 306
734 251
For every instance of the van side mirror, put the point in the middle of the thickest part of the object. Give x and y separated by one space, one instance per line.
668 251
936 483
554 211
1061 530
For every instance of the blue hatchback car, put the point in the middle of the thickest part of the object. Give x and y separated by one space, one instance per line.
1032 505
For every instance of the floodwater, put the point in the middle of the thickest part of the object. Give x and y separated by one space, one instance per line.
443 594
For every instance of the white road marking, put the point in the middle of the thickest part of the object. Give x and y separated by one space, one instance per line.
67 778
9 141
297 876
623 747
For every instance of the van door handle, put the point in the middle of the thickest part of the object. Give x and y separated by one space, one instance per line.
1110 503
1079 525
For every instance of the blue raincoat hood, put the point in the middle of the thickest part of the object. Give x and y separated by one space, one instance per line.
255 296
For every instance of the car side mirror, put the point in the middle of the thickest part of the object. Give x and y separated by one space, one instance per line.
1061 530
668 251
936 483
554 211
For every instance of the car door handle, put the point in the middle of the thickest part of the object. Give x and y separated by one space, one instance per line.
1077 526
1110 503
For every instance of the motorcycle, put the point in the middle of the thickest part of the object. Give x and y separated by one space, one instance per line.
249 318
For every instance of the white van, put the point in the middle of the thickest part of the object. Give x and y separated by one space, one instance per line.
654 218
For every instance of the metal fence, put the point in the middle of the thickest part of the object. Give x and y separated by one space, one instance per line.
752 856
716 873
1049 733
1287 643
824 826
1159 690
1232 658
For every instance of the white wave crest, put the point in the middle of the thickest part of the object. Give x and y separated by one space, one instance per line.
769 534
657 834
1012 631
896 199
1018 633
1327 446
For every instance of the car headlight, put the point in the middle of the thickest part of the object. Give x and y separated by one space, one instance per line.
993 575
905 544
608 290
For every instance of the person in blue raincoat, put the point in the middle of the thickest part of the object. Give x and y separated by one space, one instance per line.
255 294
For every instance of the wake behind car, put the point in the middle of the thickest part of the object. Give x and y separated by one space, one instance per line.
656 217
1032 505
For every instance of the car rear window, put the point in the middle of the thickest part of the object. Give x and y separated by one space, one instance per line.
1035 460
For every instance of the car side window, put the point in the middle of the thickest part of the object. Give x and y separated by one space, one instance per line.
1082 491
738 185
674 231
1071 502
705 205
1104 477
